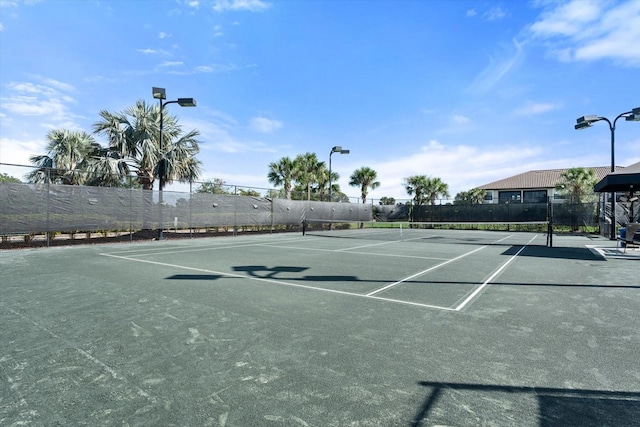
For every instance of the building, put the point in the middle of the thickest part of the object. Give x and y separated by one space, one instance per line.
532 187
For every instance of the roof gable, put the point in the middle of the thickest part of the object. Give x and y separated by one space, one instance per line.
540 179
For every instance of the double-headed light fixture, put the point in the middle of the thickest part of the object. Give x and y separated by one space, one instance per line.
160 94
336 149
588 121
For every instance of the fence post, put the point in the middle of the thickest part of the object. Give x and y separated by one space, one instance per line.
48 202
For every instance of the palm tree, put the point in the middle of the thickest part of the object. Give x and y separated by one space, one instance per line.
69 155
417 186
435 189
281 173
475 196
133 138
577 184
365 178
307 170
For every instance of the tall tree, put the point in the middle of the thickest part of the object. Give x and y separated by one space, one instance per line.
577 184
8 178
365 178
307 170
435 189
416 186
215 186
134 142
281 173
471 197
69 155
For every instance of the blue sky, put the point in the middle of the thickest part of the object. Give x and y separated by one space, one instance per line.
467 91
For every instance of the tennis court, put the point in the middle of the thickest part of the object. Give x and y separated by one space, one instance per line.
435 327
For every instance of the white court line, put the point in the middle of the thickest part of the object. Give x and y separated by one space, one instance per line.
486 282
424 271
277 282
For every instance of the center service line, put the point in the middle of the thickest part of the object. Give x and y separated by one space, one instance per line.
493 276
424 271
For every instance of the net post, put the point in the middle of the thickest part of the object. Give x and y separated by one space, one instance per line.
549 223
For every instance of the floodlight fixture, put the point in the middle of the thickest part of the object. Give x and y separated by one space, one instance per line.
159 93
588 119
583 125
635 115
336 149
186 102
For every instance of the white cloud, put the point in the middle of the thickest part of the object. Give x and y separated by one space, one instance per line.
531 108
240 5
264 125
31 99
494 14
471 12
17 152
1 26
583 30
147 51
171 63
163 35
458 119
462 167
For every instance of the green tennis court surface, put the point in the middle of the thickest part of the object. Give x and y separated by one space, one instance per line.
292 330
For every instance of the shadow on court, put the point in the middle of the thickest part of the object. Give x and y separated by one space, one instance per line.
556 407
263 272
555 252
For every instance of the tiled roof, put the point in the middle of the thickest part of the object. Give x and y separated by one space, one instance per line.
540 179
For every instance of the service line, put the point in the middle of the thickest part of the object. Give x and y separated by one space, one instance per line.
424 271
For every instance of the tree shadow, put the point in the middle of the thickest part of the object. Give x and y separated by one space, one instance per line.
557 407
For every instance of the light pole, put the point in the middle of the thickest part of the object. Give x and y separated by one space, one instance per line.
160 94
336 149
588 121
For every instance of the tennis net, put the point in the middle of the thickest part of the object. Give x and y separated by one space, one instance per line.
482 233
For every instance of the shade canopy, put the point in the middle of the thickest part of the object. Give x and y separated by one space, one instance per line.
627 179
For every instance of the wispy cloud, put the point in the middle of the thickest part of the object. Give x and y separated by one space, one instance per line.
34 99
171 64
458 119
533 108
498 68
240 5
203 69
589 30
471 12
163 35
264 125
